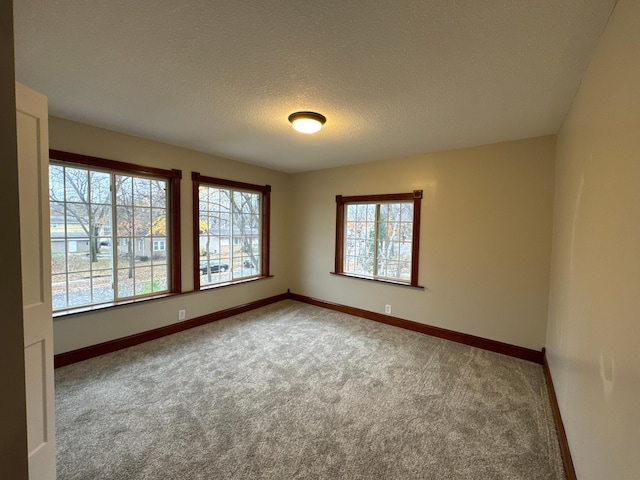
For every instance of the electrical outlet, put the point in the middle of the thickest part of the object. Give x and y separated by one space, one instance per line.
182 314
387 309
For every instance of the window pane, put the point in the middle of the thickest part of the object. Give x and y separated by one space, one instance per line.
101 286
141 192
222 222
143 281
124 221
125 283
77 220
58 257
100 188
160 278
124 190
159 193
76 185
407 212
159 221
59 291
384 212
79 291
359 239
104 244
351 212
56 183
160 248
142 250
405 270
125 251
142 221
78 259
222 197
390 241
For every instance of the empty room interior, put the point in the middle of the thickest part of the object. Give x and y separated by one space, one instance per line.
467 210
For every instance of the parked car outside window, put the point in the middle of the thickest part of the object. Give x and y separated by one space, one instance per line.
215 267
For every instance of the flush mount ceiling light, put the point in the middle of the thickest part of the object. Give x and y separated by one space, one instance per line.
307 122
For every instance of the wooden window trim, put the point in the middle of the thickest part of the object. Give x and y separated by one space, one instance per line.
197 180
173 178
341 201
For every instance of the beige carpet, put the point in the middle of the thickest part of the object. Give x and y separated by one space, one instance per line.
295 391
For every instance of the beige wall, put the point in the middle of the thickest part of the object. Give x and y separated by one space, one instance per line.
13 430
593 335
80 330
485 238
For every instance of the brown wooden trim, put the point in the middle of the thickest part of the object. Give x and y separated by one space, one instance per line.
195 176
61 156
85 353
339 259
555 408
102 306
173 177
174 232
140 299
466 339
266 231
415 197
265 226
385 197
415 241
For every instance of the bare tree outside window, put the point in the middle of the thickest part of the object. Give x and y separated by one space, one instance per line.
85 198
231 229
103 229
141 220
378 240
229 226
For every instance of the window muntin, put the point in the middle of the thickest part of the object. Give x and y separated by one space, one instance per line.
104 225
377 237
232 222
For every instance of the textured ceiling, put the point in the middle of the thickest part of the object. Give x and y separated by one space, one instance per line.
394 78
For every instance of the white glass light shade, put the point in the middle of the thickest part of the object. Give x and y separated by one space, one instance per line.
307 122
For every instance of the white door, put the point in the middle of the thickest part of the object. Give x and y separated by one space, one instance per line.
33 168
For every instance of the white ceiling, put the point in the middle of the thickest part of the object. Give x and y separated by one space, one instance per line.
394 78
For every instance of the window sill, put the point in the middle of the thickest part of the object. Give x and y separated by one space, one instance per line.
102 306
378 280
131 301
234 282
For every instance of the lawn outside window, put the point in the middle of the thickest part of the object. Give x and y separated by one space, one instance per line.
378 237
114 231
231 231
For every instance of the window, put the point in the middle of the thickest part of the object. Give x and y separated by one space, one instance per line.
111 224
231 231
377 237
